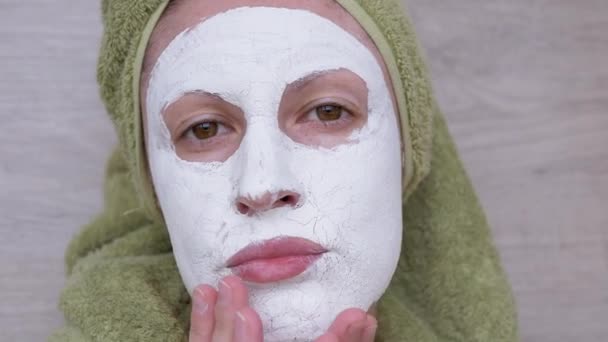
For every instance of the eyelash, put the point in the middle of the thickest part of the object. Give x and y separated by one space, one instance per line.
190 135
311 115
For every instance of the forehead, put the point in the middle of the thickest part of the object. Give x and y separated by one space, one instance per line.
269 49
185 14
278 41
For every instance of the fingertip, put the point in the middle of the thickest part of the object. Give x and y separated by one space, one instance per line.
250 316
328 337
353 315
369 334
202 320
240 294
355 330
371 320
231 280
369 329
249 326
345 319
240 327
206 292
203 297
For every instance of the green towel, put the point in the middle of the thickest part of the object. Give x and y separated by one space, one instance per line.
123 283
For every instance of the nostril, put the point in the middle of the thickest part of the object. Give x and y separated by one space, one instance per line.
291 200
242 208
252 206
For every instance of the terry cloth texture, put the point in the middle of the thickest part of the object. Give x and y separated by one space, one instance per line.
123 284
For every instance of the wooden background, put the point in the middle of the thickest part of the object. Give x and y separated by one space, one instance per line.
523 83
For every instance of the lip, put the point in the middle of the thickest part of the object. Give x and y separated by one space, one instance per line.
275 259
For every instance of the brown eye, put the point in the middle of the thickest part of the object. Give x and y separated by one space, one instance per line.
329 112
205 130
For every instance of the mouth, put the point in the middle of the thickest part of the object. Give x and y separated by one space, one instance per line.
275 259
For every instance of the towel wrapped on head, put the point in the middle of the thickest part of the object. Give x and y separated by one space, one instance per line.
124 285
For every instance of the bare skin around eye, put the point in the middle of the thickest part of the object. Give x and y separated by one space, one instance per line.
323 109
338 99
186 118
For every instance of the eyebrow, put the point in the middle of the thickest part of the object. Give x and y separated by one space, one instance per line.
296 85
200 93
304 81
203 93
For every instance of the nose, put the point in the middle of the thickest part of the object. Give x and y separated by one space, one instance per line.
249 206
264 180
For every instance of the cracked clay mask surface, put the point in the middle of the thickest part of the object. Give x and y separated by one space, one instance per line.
350 195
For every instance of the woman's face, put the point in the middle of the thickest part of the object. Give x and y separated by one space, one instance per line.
274 150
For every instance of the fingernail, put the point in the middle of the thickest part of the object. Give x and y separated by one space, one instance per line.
225 293
240 327
199 303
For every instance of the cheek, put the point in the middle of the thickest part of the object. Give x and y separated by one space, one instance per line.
215 149
195 201
324 134
193 196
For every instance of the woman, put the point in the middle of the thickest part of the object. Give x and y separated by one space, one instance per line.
281 140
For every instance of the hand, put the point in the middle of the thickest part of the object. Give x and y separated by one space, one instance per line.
225 316
351 325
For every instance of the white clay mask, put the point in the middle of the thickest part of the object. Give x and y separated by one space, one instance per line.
349 196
